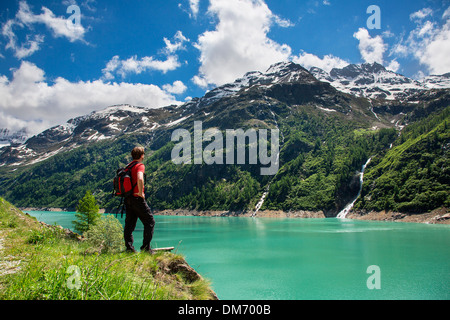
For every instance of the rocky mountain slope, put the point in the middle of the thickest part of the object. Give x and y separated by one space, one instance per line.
125 119
12 138
330 124
97 126
376 82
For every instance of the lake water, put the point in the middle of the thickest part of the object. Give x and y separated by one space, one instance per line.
294 259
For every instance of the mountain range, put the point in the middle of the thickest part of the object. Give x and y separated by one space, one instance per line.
375 81
330 125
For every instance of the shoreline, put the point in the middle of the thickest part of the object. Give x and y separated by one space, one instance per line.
169 272
437 216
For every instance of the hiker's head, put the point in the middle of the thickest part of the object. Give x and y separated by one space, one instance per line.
137 153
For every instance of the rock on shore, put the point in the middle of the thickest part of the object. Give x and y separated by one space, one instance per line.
438 216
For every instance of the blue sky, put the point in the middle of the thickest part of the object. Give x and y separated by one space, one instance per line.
155 52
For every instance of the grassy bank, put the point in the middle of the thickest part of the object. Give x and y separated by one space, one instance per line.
47 263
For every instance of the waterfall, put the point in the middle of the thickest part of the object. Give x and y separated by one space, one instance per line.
260 203
263 198
343 214
371 109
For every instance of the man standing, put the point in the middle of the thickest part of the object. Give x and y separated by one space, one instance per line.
136 206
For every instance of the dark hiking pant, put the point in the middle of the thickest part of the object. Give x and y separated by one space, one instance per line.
137 207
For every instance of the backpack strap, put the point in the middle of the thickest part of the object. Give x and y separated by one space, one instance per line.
121 214
132 165
117 210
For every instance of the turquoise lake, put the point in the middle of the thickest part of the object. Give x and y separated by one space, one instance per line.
302 259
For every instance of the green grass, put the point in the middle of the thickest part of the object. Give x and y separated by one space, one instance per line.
45 264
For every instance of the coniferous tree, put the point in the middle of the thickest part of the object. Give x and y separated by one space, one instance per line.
87 213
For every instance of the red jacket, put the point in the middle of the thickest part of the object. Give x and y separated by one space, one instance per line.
140 167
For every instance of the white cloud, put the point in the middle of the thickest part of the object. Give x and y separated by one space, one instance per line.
133 65
194 5
20 50
284 23
28 100
429 42
388 34
148 63
400 50
87 5
421 14
26 18
446 13
200 81
426 29
419 75
327 63
177 87
239 42
178 43
111 67
58 25
371 49
393 66
435 50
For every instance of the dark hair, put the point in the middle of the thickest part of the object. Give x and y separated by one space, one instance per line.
137 152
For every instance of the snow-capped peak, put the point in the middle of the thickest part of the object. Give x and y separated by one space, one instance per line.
436 81
372 80
98 125
282 72
12 138
121 107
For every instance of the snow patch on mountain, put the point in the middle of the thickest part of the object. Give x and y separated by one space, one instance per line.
12 138
365 80
372 80
175 122
279 73
437 82
94 127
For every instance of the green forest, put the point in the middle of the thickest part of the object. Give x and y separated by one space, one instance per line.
321 155
413 176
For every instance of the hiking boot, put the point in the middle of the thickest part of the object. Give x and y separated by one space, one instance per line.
148 250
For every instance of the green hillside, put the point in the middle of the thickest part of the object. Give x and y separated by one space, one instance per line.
414 176
37 263
324 141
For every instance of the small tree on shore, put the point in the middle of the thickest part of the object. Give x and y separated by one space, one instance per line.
87 213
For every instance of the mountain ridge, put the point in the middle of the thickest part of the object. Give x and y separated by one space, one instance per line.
326 135
372 80
107 123
357 80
